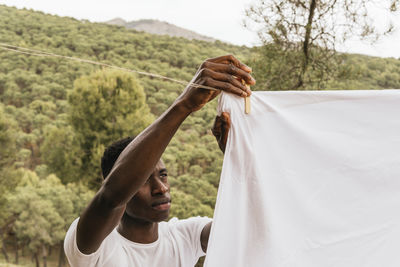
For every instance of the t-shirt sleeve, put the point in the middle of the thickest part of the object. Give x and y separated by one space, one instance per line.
78 259
191 228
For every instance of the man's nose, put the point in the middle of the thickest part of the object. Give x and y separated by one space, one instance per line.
159 187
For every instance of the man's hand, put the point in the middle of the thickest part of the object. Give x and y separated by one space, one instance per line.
225 73
221 128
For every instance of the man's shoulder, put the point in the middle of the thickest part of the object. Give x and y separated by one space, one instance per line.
174 221
184 226
186 234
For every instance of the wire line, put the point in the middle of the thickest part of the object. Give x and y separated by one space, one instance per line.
33 52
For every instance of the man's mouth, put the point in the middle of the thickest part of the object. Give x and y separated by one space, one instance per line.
162 205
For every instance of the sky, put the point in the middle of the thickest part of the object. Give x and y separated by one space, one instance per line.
220 19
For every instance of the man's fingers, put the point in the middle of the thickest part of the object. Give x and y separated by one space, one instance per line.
230 59
224 73
216 130
235 81
231 69
223 130
226 117
225 86
220 129
225 126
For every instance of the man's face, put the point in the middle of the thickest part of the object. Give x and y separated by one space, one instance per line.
153 200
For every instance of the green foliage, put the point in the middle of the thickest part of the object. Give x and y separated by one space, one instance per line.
7 139
44 209
33 205
9 180
62 153
8 176
198 188
185 205
274 70
105 106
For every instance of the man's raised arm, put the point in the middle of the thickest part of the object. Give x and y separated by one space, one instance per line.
139 158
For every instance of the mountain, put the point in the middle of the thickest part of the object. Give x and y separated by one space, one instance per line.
160 28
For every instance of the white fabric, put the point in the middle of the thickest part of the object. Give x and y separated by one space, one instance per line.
178 245
310 179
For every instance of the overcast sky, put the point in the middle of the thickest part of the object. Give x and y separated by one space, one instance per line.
220 19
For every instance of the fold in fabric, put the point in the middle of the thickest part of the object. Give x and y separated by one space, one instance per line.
309 179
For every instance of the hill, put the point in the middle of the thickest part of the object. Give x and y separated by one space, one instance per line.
37 87
160 28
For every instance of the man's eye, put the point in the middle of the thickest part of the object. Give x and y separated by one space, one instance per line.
163 175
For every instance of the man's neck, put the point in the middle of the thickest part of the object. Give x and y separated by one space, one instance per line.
137 230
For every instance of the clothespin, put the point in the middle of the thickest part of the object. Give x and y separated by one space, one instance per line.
247 106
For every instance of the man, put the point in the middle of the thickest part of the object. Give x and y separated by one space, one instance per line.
121 226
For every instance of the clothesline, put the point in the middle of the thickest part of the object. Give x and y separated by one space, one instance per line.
33 52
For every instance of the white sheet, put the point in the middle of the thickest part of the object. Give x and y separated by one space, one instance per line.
310 179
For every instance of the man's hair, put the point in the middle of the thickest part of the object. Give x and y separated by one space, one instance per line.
112 153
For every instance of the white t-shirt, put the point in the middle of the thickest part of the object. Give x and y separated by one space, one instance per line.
178 244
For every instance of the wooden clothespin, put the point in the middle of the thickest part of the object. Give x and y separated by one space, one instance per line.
247 106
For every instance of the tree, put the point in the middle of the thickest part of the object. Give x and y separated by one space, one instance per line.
300 37
7 139
32 206
46 203
8 177
185 205
61 152
195 187
104 107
